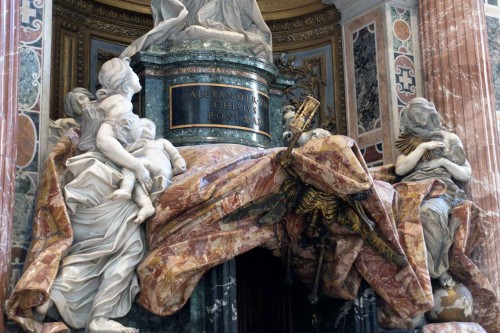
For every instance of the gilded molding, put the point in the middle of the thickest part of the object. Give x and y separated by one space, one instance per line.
282 10
61 32
82 20
304 22
141 6
318 25
107 13
271 9
310 31
116 29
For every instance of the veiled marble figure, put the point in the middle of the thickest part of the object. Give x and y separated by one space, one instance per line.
236 21
430 152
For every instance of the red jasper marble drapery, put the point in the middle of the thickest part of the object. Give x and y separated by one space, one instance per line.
187 235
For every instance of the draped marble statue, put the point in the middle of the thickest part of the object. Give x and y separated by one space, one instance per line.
236 21
429 152
96 280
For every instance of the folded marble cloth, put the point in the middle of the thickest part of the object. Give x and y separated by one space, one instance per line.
453 327
187 235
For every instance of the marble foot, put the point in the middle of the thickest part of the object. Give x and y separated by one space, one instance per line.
144 213
446 281
41 311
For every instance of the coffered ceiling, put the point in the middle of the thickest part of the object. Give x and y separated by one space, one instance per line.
271 9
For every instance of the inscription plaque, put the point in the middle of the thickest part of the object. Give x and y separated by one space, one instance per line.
219 105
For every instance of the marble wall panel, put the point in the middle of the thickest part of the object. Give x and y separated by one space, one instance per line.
382 65
404 55
9 62
373 155
367 70
365 79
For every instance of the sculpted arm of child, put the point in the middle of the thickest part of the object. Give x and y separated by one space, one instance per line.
111 147
178 162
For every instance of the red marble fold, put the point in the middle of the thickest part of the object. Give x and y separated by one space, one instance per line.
52 237
453 327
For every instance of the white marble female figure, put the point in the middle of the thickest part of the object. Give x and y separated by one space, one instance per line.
428 151
236 21
97 280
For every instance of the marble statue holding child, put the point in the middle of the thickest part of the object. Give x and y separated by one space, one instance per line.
97 281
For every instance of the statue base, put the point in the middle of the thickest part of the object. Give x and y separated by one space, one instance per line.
201 92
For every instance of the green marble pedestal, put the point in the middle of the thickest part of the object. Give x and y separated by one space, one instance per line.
214 66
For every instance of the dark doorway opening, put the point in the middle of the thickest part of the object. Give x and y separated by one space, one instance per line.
267 305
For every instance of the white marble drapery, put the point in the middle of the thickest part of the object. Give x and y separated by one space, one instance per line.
236 21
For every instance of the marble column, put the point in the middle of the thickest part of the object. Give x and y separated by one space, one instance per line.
9 44
457 78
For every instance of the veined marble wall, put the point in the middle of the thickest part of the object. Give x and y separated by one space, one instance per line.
34 68
381 56
492 11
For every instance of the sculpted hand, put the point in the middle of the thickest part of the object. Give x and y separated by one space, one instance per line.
179 166
432 145
144 178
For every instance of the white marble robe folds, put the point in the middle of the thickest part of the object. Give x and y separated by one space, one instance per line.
236 21
97 277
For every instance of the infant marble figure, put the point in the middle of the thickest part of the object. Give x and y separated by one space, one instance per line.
161 159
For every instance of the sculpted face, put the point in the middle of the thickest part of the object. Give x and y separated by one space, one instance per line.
74 103
149 129
134 83
419 115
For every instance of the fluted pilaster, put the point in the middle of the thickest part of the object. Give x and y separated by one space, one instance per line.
457 78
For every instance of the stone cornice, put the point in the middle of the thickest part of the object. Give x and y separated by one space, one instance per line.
108 14
314 26
351 9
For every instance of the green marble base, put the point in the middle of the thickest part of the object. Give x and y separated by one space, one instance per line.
208 63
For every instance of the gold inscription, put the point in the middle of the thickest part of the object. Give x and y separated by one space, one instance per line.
231 106
226 107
